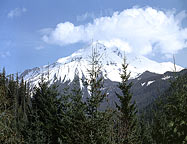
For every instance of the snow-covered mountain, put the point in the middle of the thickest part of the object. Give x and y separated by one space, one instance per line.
64 69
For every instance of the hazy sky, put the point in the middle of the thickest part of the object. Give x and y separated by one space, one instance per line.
37 32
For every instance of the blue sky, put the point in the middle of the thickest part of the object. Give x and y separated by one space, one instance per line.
31 31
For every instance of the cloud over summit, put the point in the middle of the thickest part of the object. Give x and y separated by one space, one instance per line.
137 30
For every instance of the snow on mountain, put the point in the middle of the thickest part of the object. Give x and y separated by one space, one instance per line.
150 82
166 77
142 84
64 69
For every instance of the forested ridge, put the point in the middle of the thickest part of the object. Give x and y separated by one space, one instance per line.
42 115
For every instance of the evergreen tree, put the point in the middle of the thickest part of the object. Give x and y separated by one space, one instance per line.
34 131
74 115
22 106
46 106
8 131
127 119
98 121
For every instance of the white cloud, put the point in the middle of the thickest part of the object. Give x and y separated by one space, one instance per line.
16 12
137 30
39 47
5 54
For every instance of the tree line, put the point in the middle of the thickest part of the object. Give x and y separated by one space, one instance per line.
45 116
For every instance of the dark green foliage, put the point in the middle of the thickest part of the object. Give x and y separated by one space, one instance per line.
127 120
169 123
8 113
74 118
144 135
98 121
46 112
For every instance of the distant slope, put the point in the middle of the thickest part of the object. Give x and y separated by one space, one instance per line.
146 88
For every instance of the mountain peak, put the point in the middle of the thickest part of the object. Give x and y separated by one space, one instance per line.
66 68
108 55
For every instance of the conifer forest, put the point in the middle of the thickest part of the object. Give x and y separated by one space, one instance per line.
42 114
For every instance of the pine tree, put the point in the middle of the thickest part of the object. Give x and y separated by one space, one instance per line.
22 106
127 120
8 131
46 105
34 131
98 121
74 114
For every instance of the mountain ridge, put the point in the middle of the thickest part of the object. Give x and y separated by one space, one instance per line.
64 69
